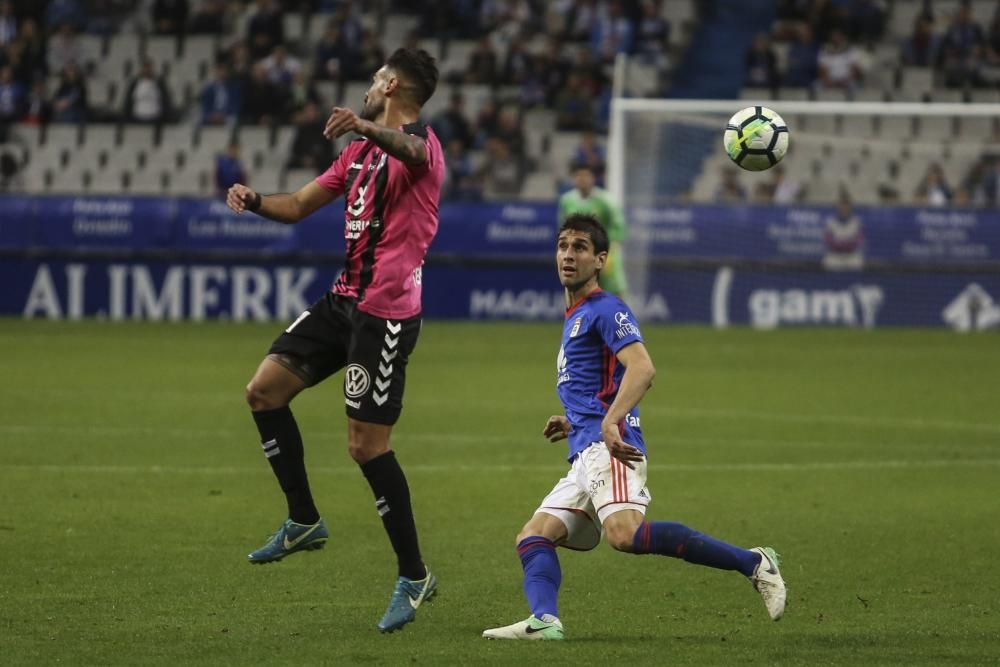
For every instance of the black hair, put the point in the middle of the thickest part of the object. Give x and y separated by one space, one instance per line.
588 224
419 70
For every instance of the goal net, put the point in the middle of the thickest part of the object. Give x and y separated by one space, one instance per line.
880 213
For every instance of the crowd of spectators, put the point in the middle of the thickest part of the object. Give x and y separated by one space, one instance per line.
827 45
530 53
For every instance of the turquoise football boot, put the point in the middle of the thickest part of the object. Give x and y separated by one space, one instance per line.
291 537
407 596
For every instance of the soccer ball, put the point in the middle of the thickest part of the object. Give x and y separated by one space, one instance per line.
756 138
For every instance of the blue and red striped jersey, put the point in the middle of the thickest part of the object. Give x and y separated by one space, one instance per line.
587 369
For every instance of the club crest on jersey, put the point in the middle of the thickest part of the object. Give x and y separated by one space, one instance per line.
576 327
625 326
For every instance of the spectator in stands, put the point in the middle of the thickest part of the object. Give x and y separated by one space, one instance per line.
452 122
825 16
266 29
169 16
992 39
351 31
802 59
865 21
730 190
782 189
518 63
612 32
653 35
580 20
482 67
13 96
59 12
208 17
793 10
240 63
301 93
263 102
8 23
487 121
64 48
934 189
369 57
533 91
921 48
309 149
147 99
574 105
963 50
330 53
595 78
220 98
841 64
844 239
34 51
509 131
552 68
460 179
13 55
38 110
229 168
963 33
281 68
69 103
506 19
983 182
762 64
502 174
591 154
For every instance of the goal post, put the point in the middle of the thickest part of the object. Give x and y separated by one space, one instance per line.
858 204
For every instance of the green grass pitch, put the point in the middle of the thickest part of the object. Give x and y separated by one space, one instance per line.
132 486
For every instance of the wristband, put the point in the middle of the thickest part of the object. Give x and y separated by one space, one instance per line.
254 206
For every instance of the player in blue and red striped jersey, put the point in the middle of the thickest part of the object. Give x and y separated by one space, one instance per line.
602 372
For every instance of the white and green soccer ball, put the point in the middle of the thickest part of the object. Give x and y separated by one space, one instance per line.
756 138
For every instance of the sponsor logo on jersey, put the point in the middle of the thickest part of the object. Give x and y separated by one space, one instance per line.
354 227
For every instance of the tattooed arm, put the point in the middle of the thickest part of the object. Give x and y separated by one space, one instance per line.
400 145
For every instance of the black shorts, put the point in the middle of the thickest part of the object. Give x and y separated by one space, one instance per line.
333 334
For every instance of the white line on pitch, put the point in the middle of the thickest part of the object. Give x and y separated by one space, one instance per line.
857 420
493 469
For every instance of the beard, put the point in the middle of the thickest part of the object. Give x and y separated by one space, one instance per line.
372 110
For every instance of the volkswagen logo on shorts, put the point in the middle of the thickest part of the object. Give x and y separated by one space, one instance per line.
356 381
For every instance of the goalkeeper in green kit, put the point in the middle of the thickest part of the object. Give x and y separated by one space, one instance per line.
587 198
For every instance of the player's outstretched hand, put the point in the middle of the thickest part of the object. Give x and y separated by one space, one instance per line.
556 428
239 197
618 448
340 122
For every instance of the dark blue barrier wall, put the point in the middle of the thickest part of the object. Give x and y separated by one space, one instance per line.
158 258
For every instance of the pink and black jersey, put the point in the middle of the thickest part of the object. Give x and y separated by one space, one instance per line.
390 219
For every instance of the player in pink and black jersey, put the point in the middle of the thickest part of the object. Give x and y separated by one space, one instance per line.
368 322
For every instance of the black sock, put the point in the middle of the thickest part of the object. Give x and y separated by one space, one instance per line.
392 500
282 443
